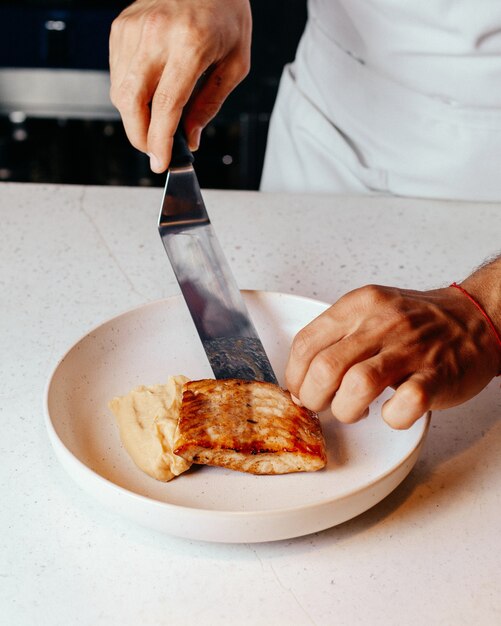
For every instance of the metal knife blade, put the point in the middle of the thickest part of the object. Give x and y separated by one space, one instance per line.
228 335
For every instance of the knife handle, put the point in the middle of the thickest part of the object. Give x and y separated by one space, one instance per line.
181 154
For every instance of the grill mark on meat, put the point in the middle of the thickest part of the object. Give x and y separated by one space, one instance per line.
248 419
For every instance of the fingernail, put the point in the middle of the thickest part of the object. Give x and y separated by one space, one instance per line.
296 400
194 141
155 164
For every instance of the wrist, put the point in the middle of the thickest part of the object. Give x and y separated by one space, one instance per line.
489 299
484 289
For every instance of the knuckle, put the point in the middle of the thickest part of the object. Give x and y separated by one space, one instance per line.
117 24
324 368
125 96
362 379
198 36
115 97
191 35
301 343
242 66
362 299
123 24
166 100
373 294
154 22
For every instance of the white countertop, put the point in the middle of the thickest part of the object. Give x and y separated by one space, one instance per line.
70 257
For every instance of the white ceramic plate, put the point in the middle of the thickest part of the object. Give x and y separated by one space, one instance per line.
366 461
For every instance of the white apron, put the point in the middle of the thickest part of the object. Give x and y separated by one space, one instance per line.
391 96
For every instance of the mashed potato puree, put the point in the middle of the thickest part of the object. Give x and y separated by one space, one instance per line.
148 418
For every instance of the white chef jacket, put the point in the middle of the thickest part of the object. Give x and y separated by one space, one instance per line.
391 96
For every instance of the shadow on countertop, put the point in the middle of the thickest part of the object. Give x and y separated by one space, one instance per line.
459 445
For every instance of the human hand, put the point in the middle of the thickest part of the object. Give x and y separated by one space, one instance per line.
158 51
434 347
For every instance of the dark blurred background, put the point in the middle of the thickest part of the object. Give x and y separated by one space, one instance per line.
58 125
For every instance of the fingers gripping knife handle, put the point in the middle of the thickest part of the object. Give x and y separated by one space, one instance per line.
181 154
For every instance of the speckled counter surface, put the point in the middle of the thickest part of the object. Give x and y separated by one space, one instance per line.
72 257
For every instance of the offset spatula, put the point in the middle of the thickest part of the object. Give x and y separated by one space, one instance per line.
216 305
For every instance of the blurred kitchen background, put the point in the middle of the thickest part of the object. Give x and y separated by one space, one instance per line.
58 125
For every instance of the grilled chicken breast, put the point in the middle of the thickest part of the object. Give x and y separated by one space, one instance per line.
248 426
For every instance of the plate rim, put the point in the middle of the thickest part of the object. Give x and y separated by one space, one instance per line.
60 447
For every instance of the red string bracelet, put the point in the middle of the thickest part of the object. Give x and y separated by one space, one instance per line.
487 318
